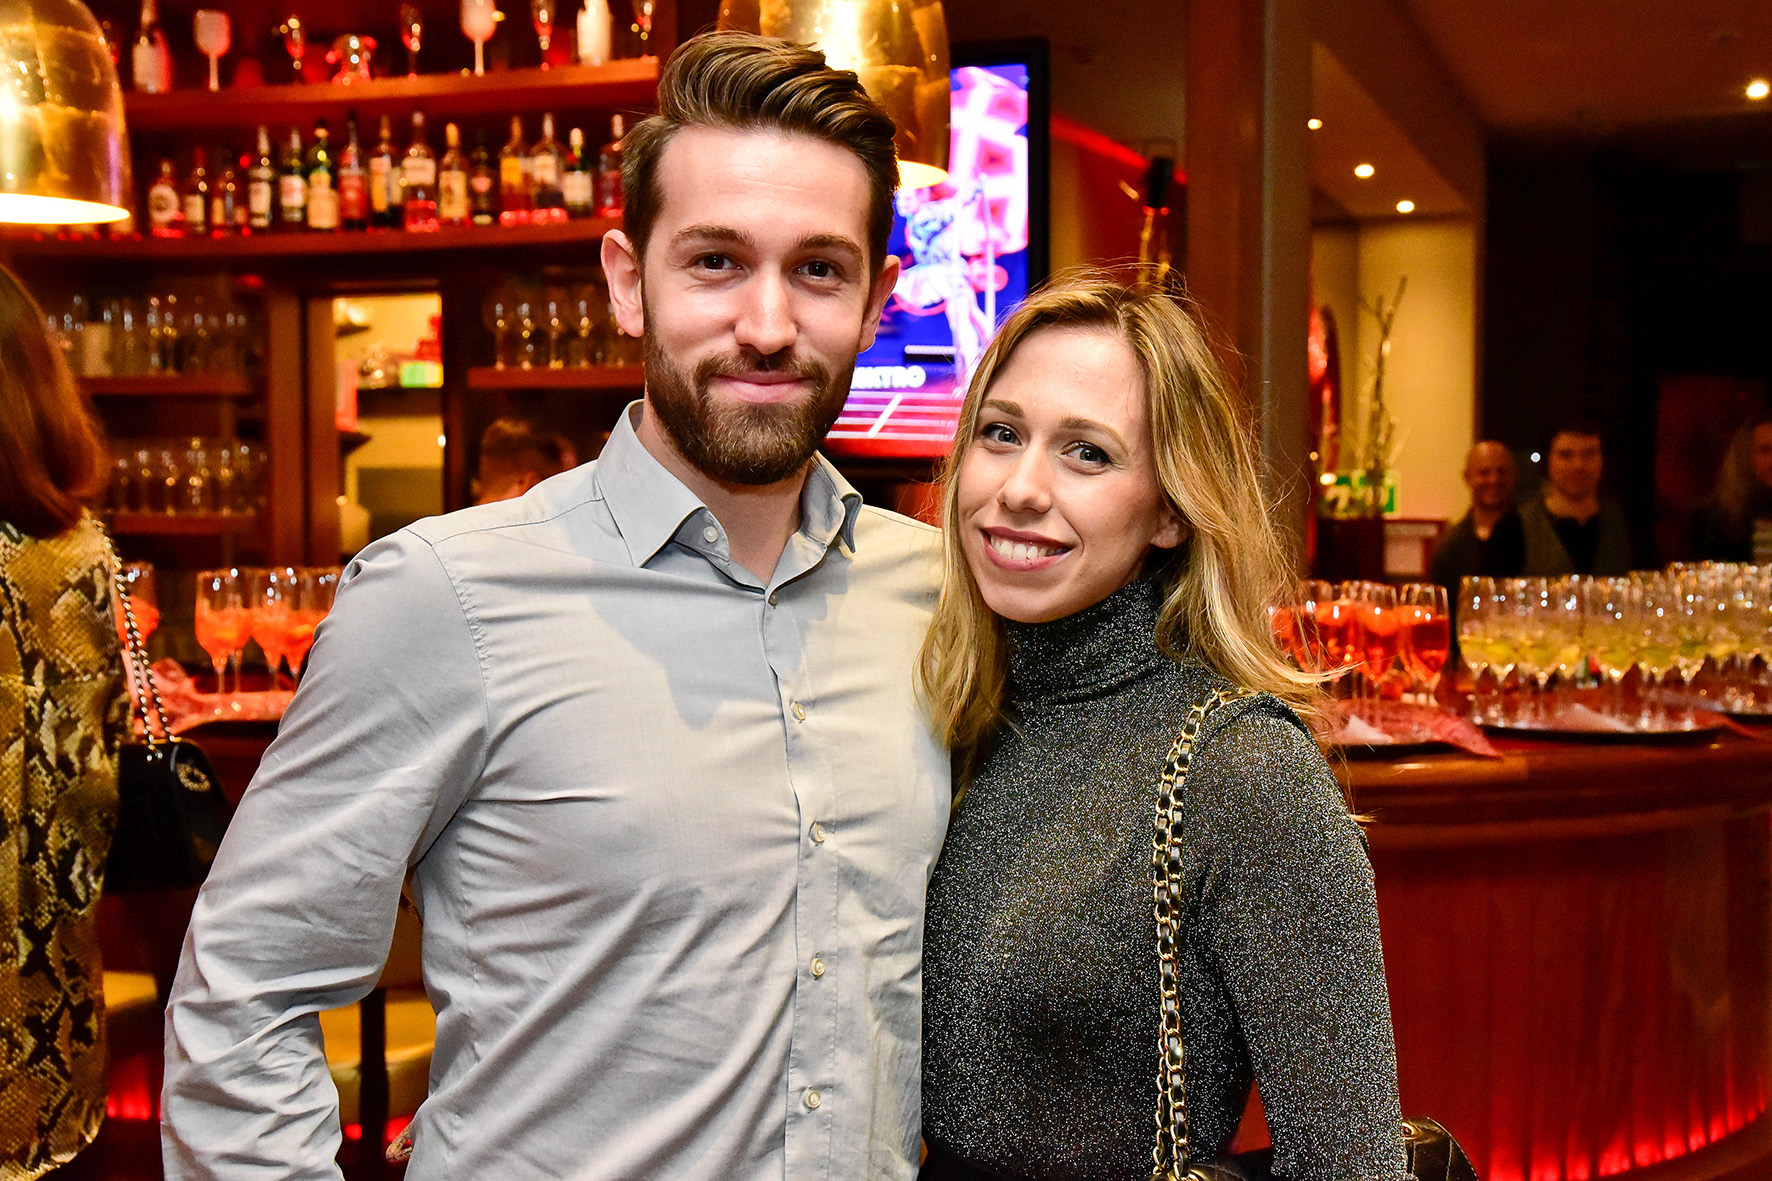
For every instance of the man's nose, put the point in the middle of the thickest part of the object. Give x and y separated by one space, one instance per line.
766 320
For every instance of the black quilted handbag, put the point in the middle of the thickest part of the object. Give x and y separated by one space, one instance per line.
171 813
1433 1155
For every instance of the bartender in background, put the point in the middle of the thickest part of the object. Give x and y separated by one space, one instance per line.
1570 530
1489 539
515 457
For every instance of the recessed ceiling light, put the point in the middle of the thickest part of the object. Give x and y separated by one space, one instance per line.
1363 171
1314 124
1405 206
1759 88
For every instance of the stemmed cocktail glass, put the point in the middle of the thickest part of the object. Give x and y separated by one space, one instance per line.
1426 630
223 624
479 20
215 36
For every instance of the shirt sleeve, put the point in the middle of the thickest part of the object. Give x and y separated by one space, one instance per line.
382 742
1287 909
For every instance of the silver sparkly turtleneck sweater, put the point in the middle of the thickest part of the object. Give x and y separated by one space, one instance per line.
1040 969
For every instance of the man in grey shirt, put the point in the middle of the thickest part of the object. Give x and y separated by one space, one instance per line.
647 737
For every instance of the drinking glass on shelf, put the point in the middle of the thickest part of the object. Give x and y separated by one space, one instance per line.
1426 629
412 29
295 42
554 314
223 624
526 326
215 36
270 596
544 13
135 584
479 20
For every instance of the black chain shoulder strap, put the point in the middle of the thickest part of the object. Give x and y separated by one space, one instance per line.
1170 1157
135 656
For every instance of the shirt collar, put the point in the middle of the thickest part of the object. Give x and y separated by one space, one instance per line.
649 504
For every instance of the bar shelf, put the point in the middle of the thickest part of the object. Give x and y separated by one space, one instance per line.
195 385
183 524
591 379
254 247
627 83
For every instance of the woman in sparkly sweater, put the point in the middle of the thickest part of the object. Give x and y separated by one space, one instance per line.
1110 561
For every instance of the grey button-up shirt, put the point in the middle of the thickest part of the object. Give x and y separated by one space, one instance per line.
671 829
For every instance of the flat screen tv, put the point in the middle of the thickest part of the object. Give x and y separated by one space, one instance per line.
969 251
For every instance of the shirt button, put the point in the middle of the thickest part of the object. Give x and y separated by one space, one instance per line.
774 598
817 833
817 968
813 1099
710 535
799 712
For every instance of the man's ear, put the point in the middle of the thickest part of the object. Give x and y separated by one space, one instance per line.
621 267
878 294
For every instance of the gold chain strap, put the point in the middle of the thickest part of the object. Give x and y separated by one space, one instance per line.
1169 1158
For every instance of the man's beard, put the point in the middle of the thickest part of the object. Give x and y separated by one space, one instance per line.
740 442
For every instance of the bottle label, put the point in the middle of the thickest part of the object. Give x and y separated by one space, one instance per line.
544 168
353 195
510 173
162 206
576 188
322 203
292 192
418 171
452 196
381 174
258 199
480 184
219 212
196 212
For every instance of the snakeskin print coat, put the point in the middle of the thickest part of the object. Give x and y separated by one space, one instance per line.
62 712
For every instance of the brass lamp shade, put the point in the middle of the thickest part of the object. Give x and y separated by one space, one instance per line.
64 153
899 49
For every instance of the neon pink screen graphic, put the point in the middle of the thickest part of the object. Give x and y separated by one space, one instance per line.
963 258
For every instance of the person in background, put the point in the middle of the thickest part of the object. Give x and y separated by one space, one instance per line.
1736 524
1570 529
62 716
647 739
1488 539
515 457
1110 562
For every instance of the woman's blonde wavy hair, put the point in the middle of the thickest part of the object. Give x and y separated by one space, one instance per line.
1217 585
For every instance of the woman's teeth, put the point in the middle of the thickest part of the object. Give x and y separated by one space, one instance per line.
1023 551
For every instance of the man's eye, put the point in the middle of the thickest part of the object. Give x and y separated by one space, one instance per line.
713 262
820 268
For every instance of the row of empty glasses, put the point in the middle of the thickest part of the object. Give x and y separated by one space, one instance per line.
190 475
163 334
1386 638
557 327
1661 623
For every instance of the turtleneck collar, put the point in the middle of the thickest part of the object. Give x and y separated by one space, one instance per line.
1084 655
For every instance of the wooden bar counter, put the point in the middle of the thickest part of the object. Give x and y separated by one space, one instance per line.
1576 940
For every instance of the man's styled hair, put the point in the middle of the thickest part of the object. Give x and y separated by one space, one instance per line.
743 82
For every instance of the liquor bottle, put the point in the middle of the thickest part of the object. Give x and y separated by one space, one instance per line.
226 214
322 195
452 180
544 175
482 185
577 188
195 199
261 184
418 177
166 216
292 186
150 60
513 178
384 182
609 171
353 180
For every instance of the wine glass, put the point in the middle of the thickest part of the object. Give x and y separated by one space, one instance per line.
479 20
1535 639
315 588
215 36
1338 623
1505 639
554 316
1426 629
412 28
295 41
270 594
543 12
223 624
135 581
1614 615
1381 630
1476 626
